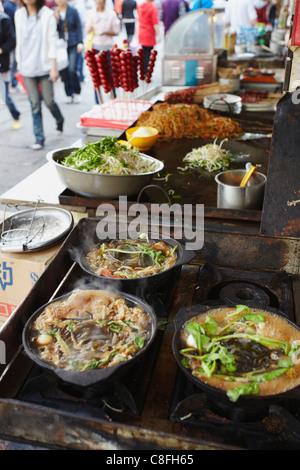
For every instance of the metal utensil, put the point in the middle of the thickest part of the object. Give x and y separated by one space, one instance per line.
252 136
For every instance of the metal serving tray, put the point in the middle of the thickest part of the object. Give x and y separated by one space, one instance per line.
34 229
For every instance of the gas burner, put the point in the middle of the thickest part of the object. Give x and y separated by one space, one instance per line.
274 425
101 400
248 294
104 399
229 286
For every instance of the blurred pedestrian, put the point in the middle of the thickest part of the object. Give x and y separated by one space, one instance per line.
36 36
128 18
201 4
240 14
69 29
148 28
219 3
261 10
117 6
104 23
10 8
80 6
50 4
272 11
171 11
7 44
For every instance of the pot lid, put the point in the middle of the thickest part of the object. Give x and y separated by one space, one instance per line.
34 229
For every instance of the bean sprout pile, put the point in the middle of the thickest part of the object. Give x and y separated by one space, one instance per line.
211 157
109 157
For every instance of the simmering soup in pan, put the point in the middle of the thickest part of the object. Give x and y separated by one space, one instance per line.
242 351
129 259
90 330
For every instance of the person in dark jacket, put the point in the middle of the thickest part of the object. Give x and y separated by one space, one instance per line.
171 11
69 27
128 18
10 8
7 44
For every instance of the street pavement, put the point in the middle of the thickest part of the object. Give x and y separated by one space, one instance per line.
17 159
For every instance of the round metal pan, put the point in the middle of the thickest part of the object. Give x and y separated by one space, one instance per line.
142 284
95 376
34 229
90 184
247 407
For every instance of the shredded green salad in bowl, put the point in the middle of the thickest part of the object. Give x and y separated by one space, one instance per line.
109 157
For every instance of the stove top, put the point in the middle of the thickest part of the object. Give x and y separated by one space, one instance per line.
103 400
275 426
153 406
233 287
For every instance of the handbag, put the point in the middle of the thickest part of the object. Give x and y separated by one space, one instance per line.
62 59
88 43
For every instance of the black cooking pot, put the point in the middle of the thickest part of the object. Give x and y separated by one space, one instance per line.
247 407
143 285
89 377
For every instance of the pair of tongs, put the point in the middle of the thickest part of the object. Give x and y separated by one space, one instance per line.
24 235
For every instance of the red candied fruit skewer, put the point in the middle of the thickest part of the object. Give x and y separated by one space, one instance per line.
104 71
151 64
141 64
93 69
116 65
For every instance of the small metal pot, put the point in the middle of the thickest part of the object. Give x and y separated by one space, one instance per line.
232 196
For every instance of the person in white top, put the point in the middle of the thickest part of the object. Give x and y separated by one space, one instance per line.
240 14
219 3
105 24
36 37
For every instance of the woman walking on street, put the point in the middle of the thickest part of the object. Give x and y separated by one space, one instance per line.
7 44
36 36
70 29
148 27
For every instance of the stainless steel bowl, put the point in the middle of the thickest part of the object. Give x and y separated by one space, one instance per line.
232 196
94 184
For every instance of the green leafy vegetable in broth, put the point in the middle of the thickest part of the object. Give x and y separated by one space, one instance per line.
128 259
242 351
